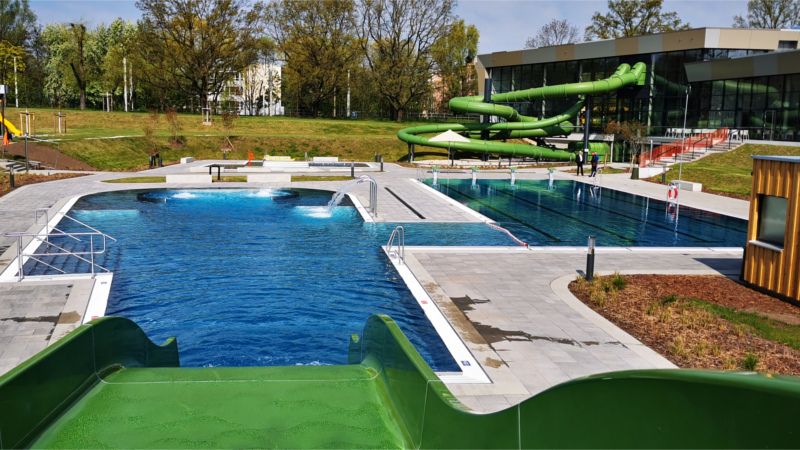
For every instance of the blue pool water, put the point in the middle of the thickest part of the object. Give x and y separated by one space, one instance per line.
572 211
242 279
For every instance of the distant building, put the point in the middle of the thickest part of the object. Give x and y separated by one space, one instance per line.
745 80
254 92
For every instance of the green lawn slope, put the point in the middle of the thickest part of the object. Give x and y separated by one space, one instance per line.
115 141
728 173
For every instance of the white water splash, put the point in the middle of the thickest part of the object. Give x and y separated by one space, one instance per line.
317 212
268 193
184 195
339 195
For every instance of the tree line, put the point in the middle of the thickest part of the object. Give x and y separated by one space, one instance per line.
641 17
185 53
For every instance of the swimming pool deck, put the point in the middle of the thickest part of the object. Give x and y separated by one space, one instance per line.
509 304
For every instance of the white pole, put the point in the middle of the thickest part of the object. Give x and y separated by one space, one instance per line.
683 144
270 90
348 93
130 80
125 80
16 93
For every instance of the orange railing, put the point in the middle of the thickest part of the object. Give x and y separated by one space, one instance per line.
689 144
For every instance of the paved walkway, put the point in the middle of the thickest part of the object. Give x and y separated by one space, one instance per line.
507 303
521 325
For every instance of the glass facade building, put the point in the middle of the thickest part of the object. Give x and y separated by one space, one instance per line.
765 105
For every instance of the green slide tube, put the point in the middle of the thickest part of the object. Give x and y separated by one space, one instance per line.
106 385
520 126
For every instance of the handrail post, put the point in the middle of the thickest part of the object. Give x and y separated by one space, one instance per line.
91 251
19 258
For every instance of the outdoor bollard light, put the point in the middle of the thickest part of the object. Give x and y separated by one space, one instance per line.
513 176
474 178
381 163
11 178
352 168
590 260
664 175
435 176
160 162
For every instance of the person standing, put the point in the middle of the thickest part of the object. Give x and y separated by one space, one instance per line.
595 161
579 161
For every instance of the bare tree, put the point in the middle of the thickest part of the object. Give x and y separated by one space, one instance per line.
633 132
556 32
770 14
396 36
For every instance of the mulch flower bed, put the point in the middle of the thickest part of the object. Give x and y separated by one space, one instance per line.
22 180
657 310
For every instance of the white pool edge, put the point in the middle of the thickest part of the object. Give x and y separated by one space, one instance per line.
471 370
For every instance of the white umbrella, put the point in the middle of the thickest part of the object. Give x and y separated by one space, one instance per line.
449 136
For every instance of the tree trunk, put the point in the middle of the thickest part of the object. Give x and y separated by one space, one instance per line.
400 115
83 99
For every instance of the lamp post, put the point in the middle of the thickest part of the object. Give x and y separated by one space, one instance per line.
683 143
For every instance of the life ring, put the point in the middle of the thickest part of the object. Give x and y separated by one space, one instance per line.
673 193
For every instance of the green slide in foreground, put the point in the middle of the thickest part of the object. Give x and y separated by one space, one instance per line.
107 385
519 126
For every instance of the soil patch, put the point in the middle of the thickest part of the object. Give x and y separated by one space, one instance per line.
22 180
683 318
47 156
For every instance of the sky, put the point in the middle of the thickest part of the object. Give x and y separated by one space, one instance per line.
503 24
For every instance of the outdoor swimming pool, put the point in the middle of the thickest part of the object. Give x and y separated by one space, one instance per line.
242 279
572 211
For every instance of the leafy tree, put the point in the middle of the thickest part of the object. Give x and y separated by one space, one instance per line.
770 14
319 44
454 54
149 126
633 18
10 55
77 59
396 36
555 32
204 41
17 22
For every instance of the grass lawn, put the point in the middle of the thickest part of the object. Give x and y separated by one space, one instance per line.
319 178
114 141
727 173
138 180
759 325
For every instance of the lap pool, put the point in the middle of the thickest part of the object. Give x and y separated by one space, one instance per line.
259 277
572 211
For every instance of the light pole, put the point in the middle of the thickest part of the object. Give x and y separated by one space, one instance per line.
683 143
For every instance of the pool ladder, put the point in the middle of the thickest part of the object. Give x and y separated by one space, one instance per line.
44 238
398 233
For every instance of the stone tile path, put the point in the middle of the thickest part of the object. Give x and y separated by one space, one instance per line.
527 326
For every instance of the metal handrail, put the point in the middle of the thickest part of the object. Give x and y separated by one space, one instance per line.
400 233
373 193
44 237
36 217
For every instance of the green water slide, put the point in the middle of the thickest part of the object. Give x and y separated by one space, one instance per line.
107 385
518 126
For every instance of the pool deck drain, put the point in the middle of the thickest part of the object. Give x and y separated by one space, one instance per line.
506 303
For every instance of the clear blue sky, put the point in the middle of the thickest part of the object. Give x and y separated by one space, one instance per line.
504 24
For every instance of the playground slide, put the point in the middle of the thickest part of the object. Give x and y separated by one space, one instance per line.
107 385
520 126
10 127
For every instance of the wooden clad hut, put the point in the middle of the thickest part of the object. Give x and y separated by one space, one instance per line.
772 258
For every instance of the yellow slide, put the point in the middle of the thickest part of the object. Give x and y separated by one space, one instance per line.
11 128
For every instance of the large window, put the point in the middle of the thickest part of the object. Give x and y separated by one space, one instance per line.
772 219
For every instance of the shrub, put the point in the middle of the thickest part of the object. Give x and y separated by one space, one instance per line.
750 361
671 298
618 281
678 347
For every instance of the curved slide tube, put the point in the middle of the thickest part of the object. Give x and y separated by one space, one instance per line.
520 126
107 385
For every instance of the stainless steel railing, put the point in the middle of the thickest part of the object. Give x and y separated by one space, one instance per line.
45 239
373 194
398 233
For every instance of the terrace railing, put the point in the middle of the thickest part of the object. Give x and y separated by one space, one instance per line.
690 143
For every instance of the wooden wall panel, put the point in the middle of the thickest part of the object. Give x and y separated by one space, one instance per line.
770 269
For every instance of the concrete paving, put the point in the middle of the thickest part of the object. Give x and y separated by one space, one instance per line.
507 304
